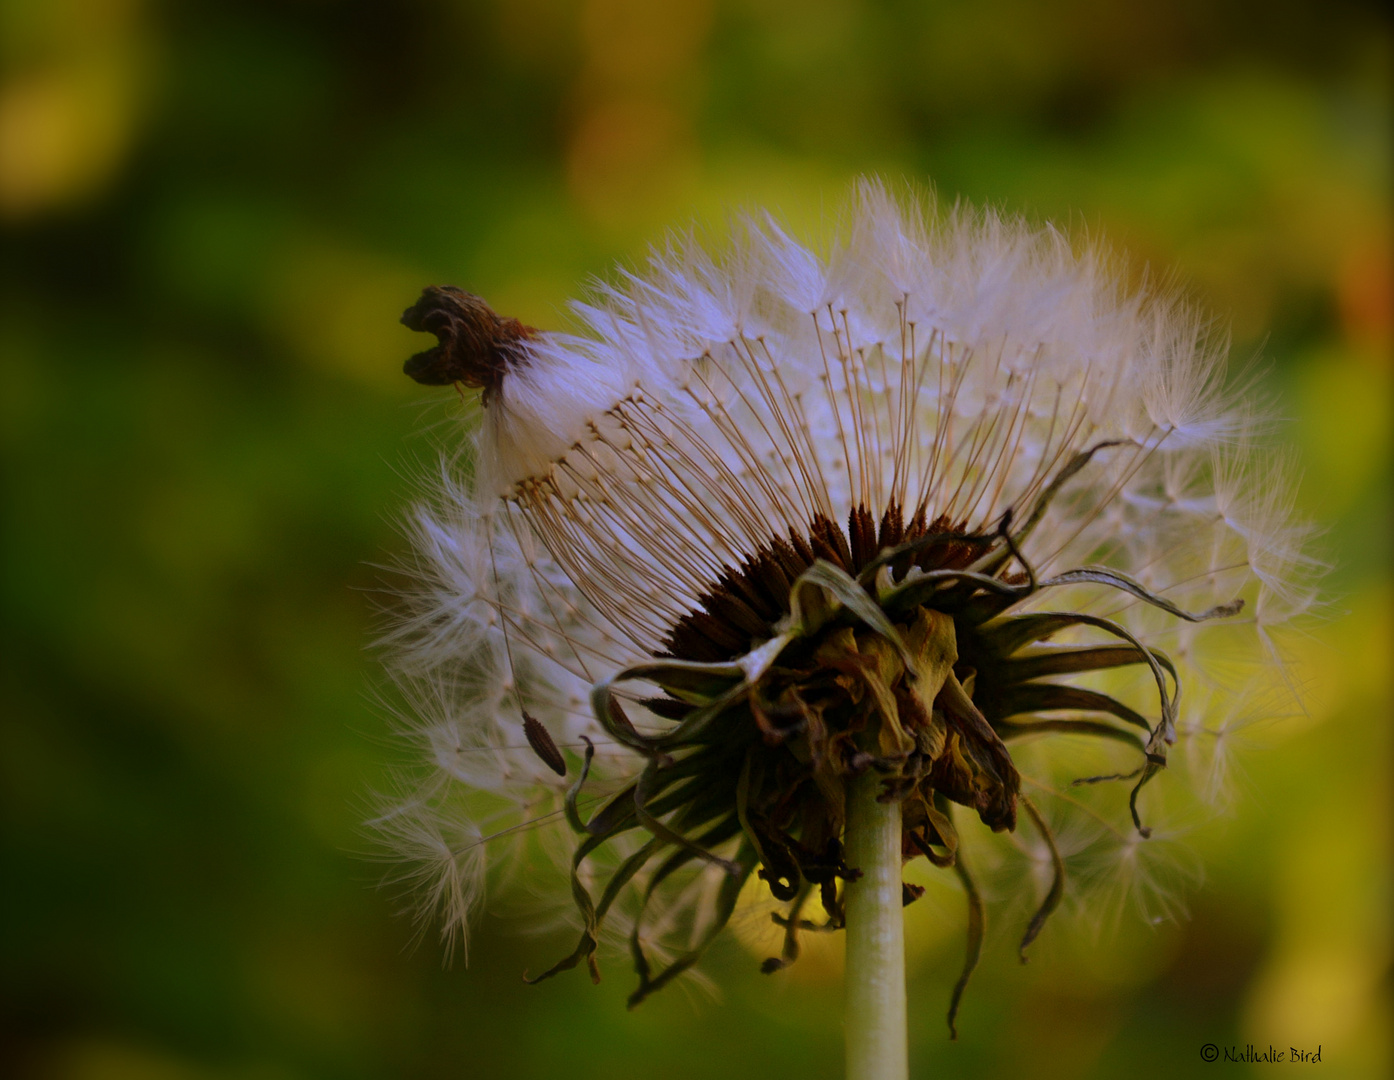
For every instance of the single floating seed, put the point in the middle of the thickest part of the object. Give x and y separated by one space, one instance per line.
542 744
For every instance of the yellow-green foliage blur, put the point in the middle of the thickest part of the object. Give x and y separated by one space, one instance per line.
212 216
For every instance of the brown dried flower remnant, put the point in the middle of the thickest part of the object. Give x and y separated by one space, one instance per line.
477 345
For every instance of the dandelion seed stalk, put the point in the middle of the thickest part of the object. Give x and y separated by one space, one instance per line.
875 970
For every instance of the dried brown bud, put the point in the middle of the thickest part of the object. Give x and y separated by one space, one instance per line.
478 347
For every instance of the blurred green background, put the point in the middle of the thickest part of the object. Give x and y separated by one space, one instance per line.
213 214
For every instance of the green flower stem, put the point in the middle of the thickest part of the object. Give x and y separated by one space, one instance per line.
875 976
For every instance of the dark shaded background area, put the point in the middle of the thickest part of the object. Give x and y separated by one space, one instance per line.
213 215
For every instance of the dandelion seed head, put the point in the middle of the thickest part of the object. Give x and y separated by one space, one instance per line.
676 526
